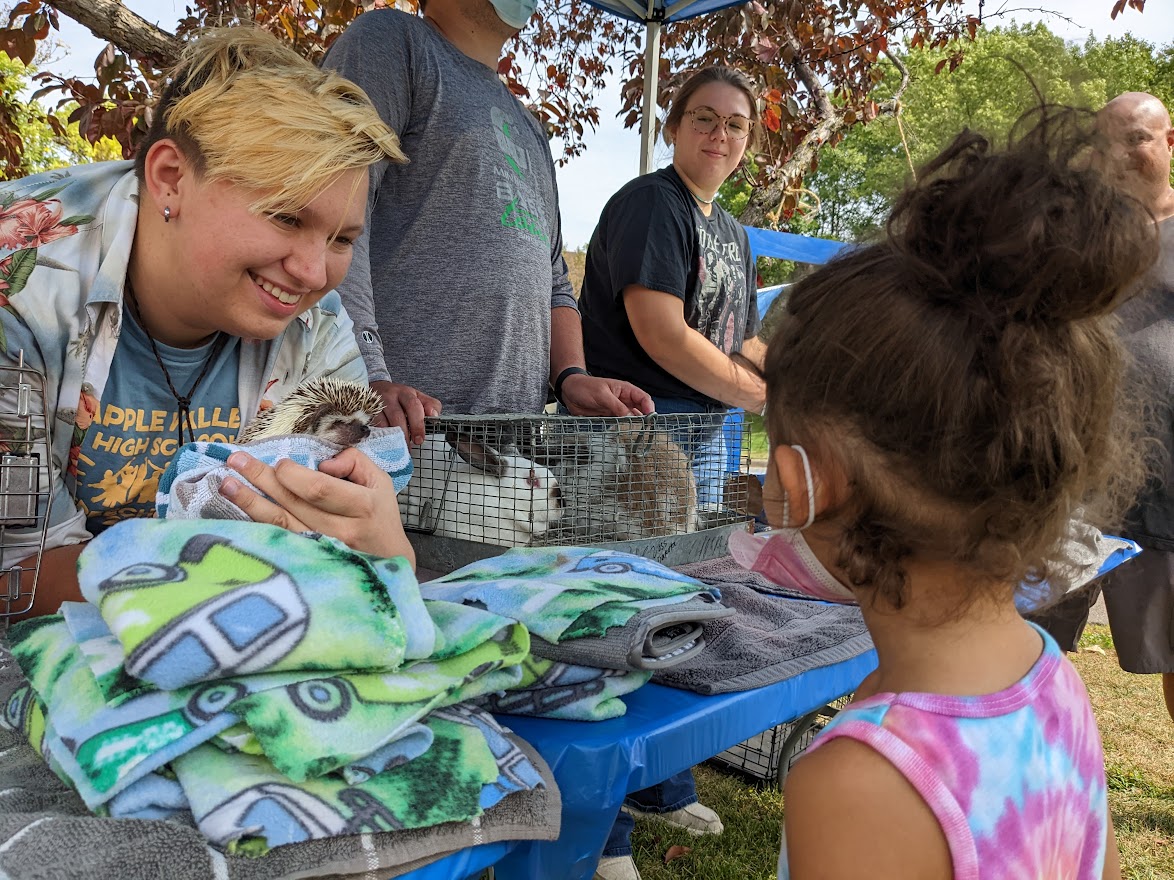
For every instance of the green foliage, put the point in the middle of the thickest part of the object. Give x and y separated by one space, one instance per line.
857 179
46 143
733 195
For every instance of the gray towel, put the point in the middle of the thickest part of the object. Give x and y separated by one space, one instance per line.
655 638
46 832
769 639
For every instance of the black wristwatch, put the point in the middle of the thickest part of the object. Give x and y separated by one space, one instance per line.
557 387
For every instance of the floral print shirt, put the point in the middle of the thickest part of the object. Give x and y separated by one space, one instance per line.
65 244
1016 779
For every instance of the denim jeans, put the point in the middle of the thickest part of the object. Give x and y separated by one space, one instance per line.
674 793
704 442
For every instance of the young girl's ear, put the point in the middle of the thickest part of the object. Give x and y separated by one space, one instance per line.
788 473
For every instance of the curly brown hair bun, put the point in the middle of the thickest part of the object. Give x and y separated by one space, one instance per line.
964 371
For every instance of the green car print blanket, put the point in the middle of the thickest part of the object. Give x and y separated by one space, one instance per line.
264 682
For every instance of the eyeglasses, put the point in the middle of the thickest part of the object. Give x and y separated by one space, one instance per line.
705 121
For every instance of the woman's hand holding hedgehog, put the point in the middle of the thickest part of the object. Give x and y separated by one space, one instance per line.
349 497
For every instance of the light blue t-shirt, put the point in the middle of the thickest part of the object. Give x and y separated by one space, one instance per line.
135 427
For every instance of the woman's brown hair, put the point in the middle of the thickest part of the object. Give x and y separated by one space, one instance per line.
964 372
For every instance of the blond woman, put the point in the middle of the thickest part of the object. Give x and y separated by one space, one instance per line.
173 298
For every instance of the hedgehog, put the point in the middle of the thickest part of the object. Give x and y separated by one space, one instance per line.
333 410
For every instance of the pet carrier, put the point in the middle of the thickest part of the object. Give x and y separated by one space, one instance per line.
669 487
769 755
24 489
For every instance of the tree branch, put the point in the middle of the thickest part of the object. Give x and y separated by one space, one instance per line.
110 20
765 200
806 75
893 106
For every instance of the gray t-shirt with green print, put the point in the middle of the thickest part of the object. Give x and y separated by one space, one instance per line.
452 284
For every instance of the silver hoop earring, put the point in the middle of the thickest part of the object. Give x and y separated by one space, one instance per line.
166 213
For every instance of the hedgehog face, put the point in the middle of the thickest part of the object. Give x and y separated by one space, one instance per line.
335 425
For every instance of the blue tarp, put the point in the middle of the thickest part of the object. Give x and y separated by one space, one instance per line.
661 11
767 296
788 246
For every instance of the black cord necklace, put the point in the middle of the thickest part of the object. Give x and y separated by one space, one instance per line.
184 400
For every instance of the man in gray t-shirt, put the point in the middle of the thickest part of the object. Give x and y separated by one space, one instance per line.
1136 153
458 289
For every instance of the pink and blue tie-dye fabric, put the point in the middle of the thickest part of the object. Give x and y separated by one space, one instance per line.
1016 779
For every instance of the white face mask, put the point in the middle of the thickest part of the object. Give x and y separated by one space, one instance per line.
515 13
783 557
810 493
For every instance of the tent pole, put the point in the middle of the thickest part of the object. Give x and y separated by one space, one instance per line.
651 75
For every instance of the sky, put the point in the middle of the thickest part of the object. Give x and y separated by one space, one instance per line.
611 157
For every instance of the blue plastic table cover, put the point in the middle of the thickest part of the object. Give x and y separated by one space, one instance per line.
596 763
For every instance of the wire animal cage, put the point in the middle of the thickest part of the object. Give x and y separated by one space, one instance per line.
769 756
24 489
509 481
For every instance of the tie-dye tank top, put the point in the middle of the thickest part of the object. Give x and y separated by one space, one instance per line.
1016 778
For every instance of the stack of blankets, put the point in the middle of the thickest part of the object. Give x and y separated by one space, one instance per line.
601 623
276 690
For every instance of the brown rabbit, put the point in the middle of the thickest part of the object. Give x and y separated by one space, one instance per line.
620 484
658 488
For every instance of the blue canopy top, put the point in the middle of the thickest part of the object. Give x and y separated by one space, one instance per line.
677 10
788 246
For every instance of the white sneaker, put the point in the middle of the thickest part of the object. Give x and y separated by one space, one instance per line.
616 868
696 818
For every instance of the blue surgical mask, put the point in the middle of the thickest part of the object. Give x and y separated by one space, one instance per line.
515 13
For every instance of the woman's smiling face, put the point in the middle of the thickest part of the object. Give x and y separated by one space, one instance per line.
250 274
706 160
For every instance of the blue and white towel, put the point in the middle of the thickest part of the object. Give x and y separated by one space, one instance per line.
190 487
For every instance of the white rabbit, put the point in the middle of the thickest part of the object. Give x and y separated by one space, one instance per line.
462 488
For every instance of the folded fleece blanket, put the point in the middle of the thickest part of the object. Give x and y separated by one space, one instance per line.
115 757
306 724
1085 550
572 693
47 832
365 723
190 487
242 803
197 600
601 608
770 638
104 750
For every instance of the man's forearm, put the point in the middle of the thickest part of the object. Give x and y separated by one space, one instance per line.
566 340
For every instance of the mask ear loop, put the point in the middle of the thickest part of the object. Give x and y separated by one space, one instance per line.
810 490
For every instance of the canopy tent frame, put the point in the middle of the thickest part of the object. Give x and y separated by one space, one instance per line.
652 15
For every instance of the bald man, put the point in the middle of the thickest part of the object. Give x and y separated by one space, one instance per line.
1136 150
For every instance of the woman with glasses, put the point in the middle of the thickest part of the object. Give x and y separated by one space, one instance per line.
668 300
668 303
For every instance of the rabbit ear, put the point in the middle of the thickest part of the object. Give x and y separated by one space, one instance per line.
477 454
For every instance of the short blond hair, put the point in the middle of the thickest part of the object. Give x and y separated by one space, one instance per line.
250 111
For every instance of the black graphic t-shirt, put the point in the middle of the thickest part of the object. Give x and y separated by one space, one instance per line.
652 233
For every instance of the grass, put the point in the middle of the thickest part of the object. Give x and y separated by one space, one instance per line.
1138 738
759 447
